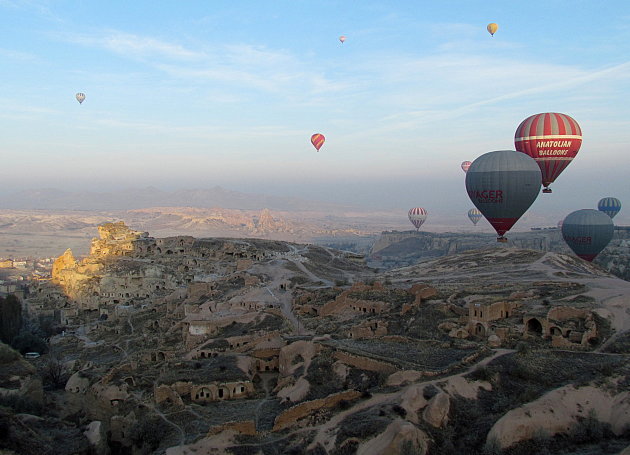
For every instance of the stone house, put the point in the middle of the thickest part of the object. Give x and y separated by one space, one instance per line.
484 318
564 326
209 380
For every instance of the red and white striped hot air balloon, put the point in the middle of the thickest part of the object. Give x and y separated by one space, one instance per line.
466 165
552 139
417 216
317 140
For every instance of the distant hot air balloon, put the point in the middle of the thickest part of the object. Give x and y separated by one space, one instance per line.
466 165
492 28
609 205
342 38
80 97
317 140
417 216
552 139
587 232
474 215
503 185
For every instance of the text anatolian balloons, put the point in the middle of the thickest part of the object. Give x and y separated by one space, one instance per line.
552 139
609 205
417 216
503 185
80 97
587 232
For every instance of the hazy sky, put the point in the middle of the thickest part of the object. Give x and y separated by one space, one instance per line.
189 94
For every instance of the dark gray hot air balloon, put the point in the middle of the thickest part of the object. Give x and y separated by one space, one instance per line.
587 232
503 185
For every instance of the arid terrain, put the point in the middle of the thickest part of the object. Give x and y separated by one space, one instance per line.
46 233
184 345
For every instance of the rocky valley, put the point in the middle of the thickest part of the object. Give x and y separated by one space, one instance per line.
184 345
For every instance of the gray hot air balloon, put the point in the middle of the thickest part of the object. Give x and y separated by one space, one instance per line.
587 232
80 97
503 185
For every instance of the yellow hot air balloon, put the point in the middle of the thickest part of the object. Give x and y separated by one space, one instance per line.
492 28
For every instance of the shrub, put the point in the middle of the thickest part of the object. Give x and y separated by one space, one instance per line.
522 347
7 354
402 412
147 434
21 404
29 342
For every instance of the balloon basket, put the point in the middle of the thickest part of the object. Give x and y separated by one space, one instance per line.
502 239
546 190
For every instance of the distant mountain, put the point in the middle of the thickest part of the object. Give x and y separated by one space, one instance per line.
137 198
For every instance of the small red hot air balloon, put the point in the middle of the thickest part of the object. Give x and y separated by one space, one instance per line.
466 165
317 140
342 38
552 139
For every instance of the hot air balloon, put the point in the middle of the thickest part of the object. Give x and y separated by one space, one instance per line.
466 165
550 138
417 216
587 232
502 185
609 205
342 38
474 215
492 28
559 224
80 97
317 140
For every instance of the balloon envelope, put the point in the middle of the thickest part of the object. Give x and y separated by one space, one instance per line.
465 165
609 205
587 232
317 140
474 215
80 97
492 28
417 216
552 139
503 185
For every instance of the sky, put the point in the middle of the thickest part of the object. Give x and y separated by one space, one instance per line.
194 94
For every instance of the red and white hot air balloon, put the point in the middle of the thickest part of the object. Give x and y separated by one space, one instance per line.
552 139
417 216
466 165
342 38
317 140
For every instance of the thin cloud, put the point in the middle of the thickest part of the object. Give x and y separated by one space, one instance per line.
237 65
516 80
37 7
17 55
134 46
